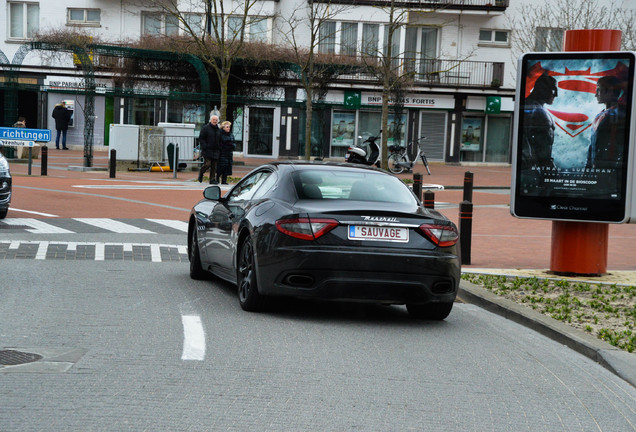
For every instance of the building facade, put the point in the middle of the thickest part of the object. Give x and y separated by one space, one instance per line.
458 52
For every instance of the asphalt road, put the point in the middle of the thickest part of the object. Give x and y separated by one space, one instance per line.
130 345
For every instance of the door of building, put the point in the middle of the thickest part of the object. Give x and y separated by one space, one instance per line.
262 131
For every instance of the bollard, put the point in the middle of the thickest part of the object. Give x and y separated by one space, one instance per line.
465 229
175 164
417 185
468 186
112 163
429 199
44 161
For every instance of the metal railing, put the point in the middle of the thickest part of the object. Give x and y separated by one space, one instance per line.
157 148
443 73
500 5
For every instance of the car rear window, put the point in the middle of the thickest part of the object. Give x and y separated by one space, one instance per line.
351 185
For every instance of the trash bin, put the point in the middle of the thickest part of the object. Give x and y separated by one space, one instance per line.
170 150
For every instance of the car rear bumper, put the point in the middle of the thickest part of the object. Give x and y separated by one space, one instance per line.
398 278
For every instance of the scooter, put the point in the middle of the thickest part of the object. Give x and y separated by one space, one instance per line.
357 154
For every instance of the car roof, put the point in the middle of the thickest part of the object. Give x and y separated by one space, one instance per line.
304 165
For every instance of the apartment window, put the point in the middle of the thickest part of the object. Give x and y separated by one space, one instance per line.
494 37
24 20
154 24
548 39
420 49
83 16
258 29
395 45
370 39
327 37
194 23
349 39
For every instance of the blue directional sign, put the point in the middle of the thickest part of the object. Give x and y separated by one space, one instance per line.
24 134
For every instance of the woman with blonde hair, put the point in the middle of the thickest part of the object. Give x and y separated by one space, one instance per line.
226 158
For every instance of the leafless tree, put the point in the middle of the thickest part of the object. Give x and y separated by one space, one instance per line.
215 29
539 24
304 31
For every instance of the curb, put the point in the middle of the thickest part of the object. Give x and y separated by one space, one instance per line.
617 361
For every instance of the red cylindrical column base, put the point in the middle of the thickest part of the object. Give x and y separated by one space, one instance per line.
579 248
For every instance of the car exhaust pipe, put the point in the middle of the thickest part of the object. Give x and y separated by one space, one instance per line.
299 280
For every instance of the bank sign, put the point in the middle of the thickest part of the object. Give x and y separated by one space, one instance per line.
24 134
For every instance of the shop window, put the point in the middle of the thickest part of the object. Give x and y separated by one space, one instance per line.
343 132
498 140
24 20
83 17
471 139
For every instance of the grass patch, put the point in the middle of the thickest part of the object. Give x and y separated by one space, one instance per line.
606 311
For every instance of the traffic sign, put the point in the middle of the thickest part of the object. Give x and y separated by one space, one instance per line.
24 134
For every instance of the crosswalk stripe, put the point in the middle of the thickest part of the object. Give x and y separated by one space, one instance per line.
37 226
100 248
176 224
113 225
41 253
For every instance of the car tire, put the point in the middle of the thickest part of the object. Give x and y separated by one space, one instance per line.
430 311
394 159
196 270
3 213
249 297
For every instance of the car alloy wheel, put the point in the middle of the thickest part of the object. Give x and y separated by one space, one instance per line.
249 298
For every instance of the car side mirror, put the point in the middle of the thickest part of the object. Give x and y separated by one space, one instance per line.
212 193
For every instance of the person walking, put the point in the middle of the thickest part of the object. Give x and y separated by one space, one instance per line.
226 157
21 123
62 118
209 143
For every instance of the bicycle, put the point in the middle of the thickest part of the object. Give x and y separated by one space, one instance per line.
399 158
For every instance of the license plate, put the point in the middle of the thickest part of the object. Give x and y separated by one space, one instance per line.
357 232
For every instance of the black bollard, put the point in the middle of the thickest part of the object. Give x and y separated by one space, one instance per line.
113 162
429 199
417 185
465 229
468 186
44 161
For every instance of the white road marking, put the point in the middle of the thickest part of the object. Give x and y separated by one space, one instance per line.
32 212
42 248
99 251
37 226
176 224
113 225
193 338
155 253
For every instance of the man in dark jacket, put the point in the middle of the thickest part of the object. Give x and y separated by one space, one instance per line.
209 142
62 118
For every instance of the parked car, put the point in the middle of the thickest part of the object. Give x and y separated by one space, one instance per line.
329 231
5 186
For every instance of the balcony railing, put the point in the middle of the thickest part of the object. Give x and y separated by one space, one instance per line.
444 73
492 5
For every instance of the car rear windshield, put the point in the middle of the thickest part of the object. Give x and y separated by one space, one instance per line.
351 185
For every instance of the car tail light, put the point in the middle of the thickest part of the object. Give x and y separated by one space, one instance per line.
306 228
441 235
